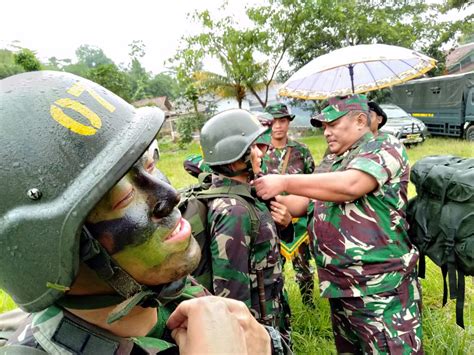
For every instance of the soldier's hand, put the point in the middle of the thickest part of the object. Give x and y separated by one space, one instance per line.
269 186
216 325
280 213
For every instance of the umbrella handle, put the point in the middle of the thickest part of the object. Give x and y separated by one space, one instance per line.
351 73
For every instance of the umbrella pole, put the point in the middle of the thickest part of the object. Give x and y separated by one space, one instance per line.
351 73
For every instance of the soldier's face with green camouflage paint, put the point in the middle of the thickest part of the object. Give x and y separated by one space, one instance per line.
280 128
138 224
342 133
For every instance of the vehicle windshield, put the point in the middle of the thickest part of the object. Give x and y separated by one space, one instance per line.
394 112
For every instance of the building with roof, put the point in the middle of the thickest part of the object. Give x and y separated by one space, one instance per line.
461 59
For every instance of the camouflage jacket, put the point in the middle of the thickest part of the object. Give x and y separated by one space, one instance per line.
194 165
300 161
56 331
362 247
236 254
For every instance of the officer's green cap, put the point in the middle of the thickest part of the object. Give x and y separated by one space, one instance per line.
339 106
279 111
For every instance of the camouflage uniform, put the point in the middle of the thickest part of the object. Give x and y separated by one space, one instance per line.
300 162
366 263
58 332
194 165
236 254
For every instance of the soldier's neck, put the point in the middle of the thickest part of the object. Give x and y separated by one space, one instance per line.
139 322
279 143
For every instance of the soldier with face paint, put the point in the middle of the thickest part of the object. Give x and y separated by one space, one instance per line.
91 241
366 262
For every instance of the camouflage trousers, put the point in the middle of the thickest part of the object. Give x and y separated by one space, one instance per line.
304 274
386 323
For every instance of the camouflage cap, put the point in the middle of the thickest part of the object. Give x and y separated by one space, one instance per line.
339 106
279 111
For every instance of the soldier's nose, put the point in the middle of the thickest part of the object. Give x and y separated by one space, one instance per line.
164 207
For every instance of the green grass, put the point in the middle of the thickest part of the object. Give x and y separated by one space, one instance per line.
312 329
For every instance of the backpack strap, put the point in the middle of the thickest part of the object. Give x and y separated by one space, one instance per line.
460 299
285 161
241 193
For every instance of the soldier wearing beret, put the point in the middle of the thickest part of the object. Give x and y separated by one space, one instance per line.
366 262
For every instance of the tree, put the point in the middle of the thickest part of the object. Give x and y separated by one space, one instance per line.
139 77
109 76
27 60
330 25
250 57
185 64
162 85
92 56
8 66
55 63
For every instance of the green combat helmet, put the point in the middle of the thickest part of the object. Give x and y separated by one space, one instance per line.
65 142
226 137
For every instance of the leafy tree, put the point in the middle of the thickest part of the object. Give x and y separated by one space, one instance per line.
92 56
80 69
162 85
57 64
278 27
330 25
139 77
109 76
249 57
8 66
27 60
186 63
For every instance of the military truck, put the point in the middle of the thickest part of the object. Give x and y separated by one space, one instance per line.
444 103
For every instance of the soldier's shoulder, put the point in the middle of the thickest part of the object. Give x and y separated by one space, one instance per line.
227 206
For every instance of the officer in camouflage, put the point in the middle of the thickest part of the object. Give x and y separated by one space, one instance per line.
366 262
91 241
287 156
239 251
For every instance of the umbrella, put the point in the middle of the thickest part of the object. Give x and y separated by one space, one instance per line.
356 69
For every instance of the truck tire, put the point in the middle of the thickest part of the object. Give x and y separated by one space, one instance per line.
470 133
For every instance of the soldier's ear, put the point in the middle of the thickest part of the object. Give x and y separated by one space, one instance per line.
362 120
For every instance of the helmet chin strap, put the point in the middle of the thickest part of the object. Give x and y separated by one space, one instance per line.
132 293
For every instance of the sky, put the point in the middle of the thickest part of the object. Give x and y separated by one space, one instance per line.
57 28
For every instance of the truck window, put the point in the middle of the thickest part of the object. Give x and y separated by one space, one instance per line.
435 90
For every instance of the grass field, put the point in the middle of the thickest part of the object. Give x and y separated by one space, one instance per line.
312 329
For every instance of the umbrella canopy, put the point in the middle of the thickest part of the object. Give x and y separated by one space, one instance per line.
356 69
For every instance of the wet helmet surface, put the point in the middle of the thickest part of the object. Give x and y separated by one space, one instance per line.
65 142
226 137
